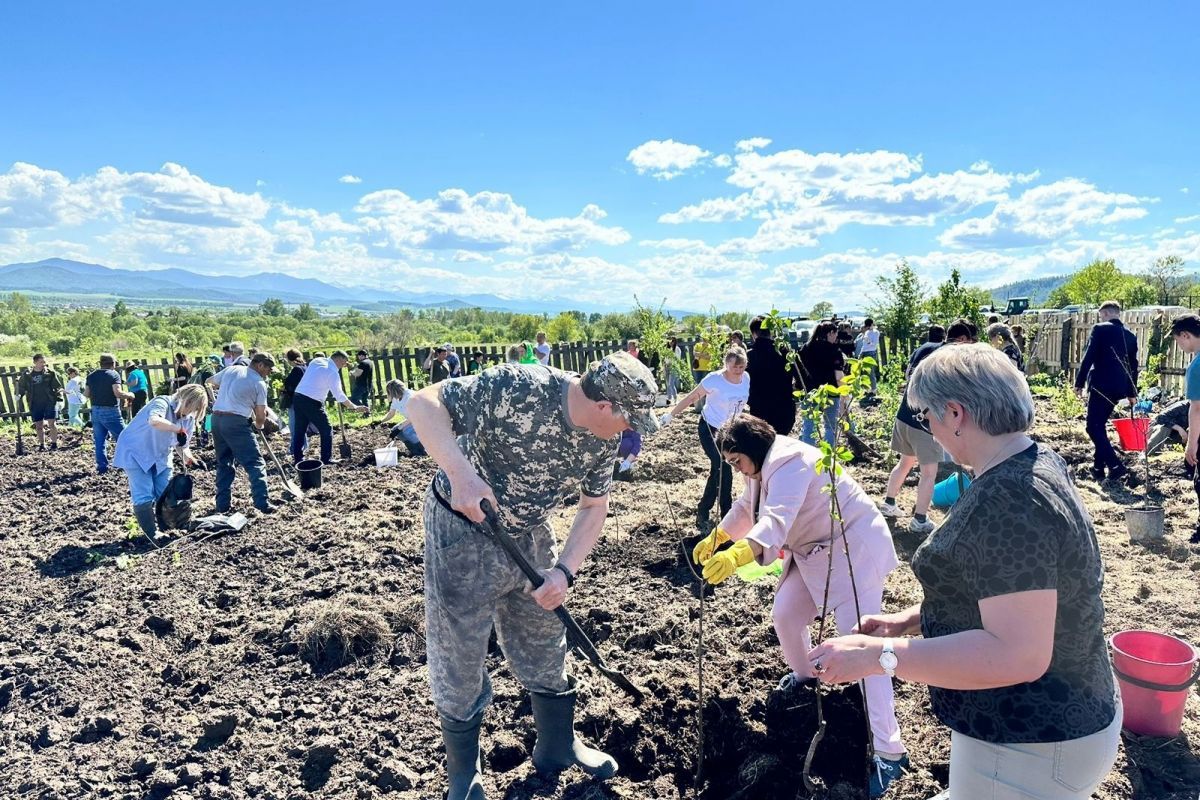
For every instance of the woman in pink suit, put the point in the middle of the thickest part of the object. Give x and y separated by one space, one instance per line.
783 512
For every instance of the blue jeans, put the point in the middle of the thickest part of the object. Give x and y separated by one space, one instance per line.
672 386
145 487
73 418
808 432
406 433
233 438
106 421
292 427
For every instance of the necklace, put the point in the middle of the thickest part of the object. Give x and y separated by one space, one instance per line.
1002 454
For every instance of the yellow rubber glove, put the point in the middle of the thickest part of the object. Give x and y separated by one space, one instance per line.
708 545
726 562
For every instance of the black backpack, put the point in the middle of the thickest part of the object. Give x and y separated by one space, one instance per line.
173 509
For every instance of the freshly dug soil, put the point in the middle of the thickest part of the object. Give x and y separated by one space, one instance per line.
289 660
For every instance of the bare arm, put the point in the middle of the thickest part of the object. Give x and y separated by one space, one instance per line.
692 396
1015 646
260 416
432 423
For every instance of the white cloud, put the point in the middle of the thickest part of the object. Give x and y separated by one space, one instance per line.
259 183
981 166
486 221
754 143
1184 189
718 209
1044 214
1187 219
349 179
723 161
665 159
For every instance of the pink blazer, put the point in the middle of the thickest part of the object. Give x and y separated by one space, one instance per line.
793 511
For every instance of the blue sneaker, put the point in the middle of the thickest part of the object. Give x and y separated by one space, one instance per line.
883 772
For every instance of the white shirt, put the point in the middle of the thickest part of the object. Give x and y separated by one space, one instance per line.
322 378
400 406
543 353
868 341
724 399
75 390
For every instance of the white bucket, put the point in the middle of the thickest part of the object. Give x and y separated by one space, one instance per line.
386 456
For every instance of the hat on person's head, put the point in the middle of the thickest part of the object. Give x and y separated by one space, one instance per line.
361 352
448 346
629 385
213 357
442 349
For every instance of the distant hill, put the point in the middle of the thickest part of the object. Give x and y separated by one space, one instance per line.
80 281
1036 289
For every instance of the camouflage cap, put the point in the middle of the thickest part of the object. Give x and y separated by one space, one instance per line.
629 385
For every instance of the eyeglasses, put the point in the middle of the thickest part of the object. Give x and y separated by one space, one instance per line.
733 460
922 416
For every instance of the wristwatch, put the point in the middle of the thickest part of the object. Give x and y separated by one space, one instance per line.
563 569
887 659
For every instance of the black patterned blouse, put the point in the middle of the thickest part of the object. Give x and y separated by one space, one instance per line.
1021 526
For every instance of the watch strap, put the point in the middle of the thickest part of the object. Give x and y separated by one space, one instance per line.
570 575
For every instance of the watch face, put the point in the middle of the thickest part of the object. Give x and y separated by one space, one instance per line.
888 660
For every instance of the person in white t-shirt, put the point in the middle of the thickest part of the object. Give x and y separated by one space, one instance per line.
74 391
398 395
542 349
866 344
725 393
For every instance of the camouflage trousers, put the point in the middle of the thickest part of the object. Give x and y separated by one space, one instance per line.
472 585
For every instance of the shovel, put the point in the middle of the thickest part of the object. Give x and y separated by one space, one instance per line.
20 441
344 447
289 485
575 635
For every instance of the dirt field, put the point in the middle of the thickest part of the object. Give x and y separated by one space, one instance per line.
196 675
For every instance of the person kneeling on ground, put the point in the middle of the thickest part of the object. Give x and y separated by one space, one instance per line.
240 410
144 448
1013 647
792 503
627 454
521 438
398 395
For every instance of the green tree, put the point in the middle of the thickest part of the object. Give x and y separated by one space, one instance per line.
272 307
120 309
953 299
566 327
1165 276
1102 280
306 313
821 310
524 327
898 312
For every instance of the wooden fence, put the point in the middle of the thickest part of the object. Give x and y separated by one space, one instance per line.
405 364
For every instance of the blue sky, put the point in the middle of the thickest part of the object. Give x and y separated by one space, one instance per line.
699 152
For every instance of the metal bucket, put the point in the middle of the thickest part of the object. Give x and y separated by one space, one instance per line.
1145 524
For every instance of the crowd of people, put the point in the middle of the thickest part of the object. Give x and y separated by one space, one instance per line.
1011 616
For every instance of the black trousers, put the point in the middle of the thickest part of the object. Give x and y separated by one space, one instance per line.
308 411
720 474
1099 409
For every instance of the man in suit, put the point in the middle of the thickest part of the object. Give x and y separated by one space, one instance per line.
1109 369
771 398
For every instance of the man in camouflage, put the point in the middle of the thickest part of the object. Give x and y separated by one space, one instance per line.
524 438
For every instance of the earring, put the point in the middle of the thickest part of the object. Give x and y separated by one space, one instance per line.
958 433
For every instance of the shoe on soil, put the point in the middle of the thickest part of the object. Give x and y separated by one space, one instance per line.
883 772
54 445
557 746
920 527
1117 472
462 759
269 508
41 448
890 510
1097 473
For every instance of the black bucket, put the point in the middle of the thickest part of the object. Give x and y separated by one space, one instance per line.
309 471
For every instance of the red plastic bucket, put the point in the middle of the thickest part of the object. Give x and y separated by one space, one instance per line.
1132 432
1155 672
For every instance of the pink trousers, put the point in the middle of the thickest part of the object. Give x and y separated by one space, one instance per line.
798 602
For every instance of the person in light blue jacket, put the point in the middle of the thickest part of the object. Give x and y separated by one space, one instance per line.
144 447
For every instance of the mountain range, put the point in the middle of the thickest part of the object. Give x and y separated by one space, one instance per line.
82 283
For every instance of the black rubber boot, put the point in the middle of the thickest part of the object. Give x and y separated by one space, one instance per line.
557 745
462 759
144 513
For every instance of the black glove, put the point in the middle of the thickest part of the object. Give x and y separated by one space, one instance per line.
181 438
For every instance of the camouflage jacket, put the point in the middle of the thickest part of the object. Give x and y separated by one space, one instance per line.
512 424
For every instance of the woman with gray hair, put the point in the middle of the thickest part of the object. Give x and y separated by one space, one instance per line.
1009 637
1001 337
